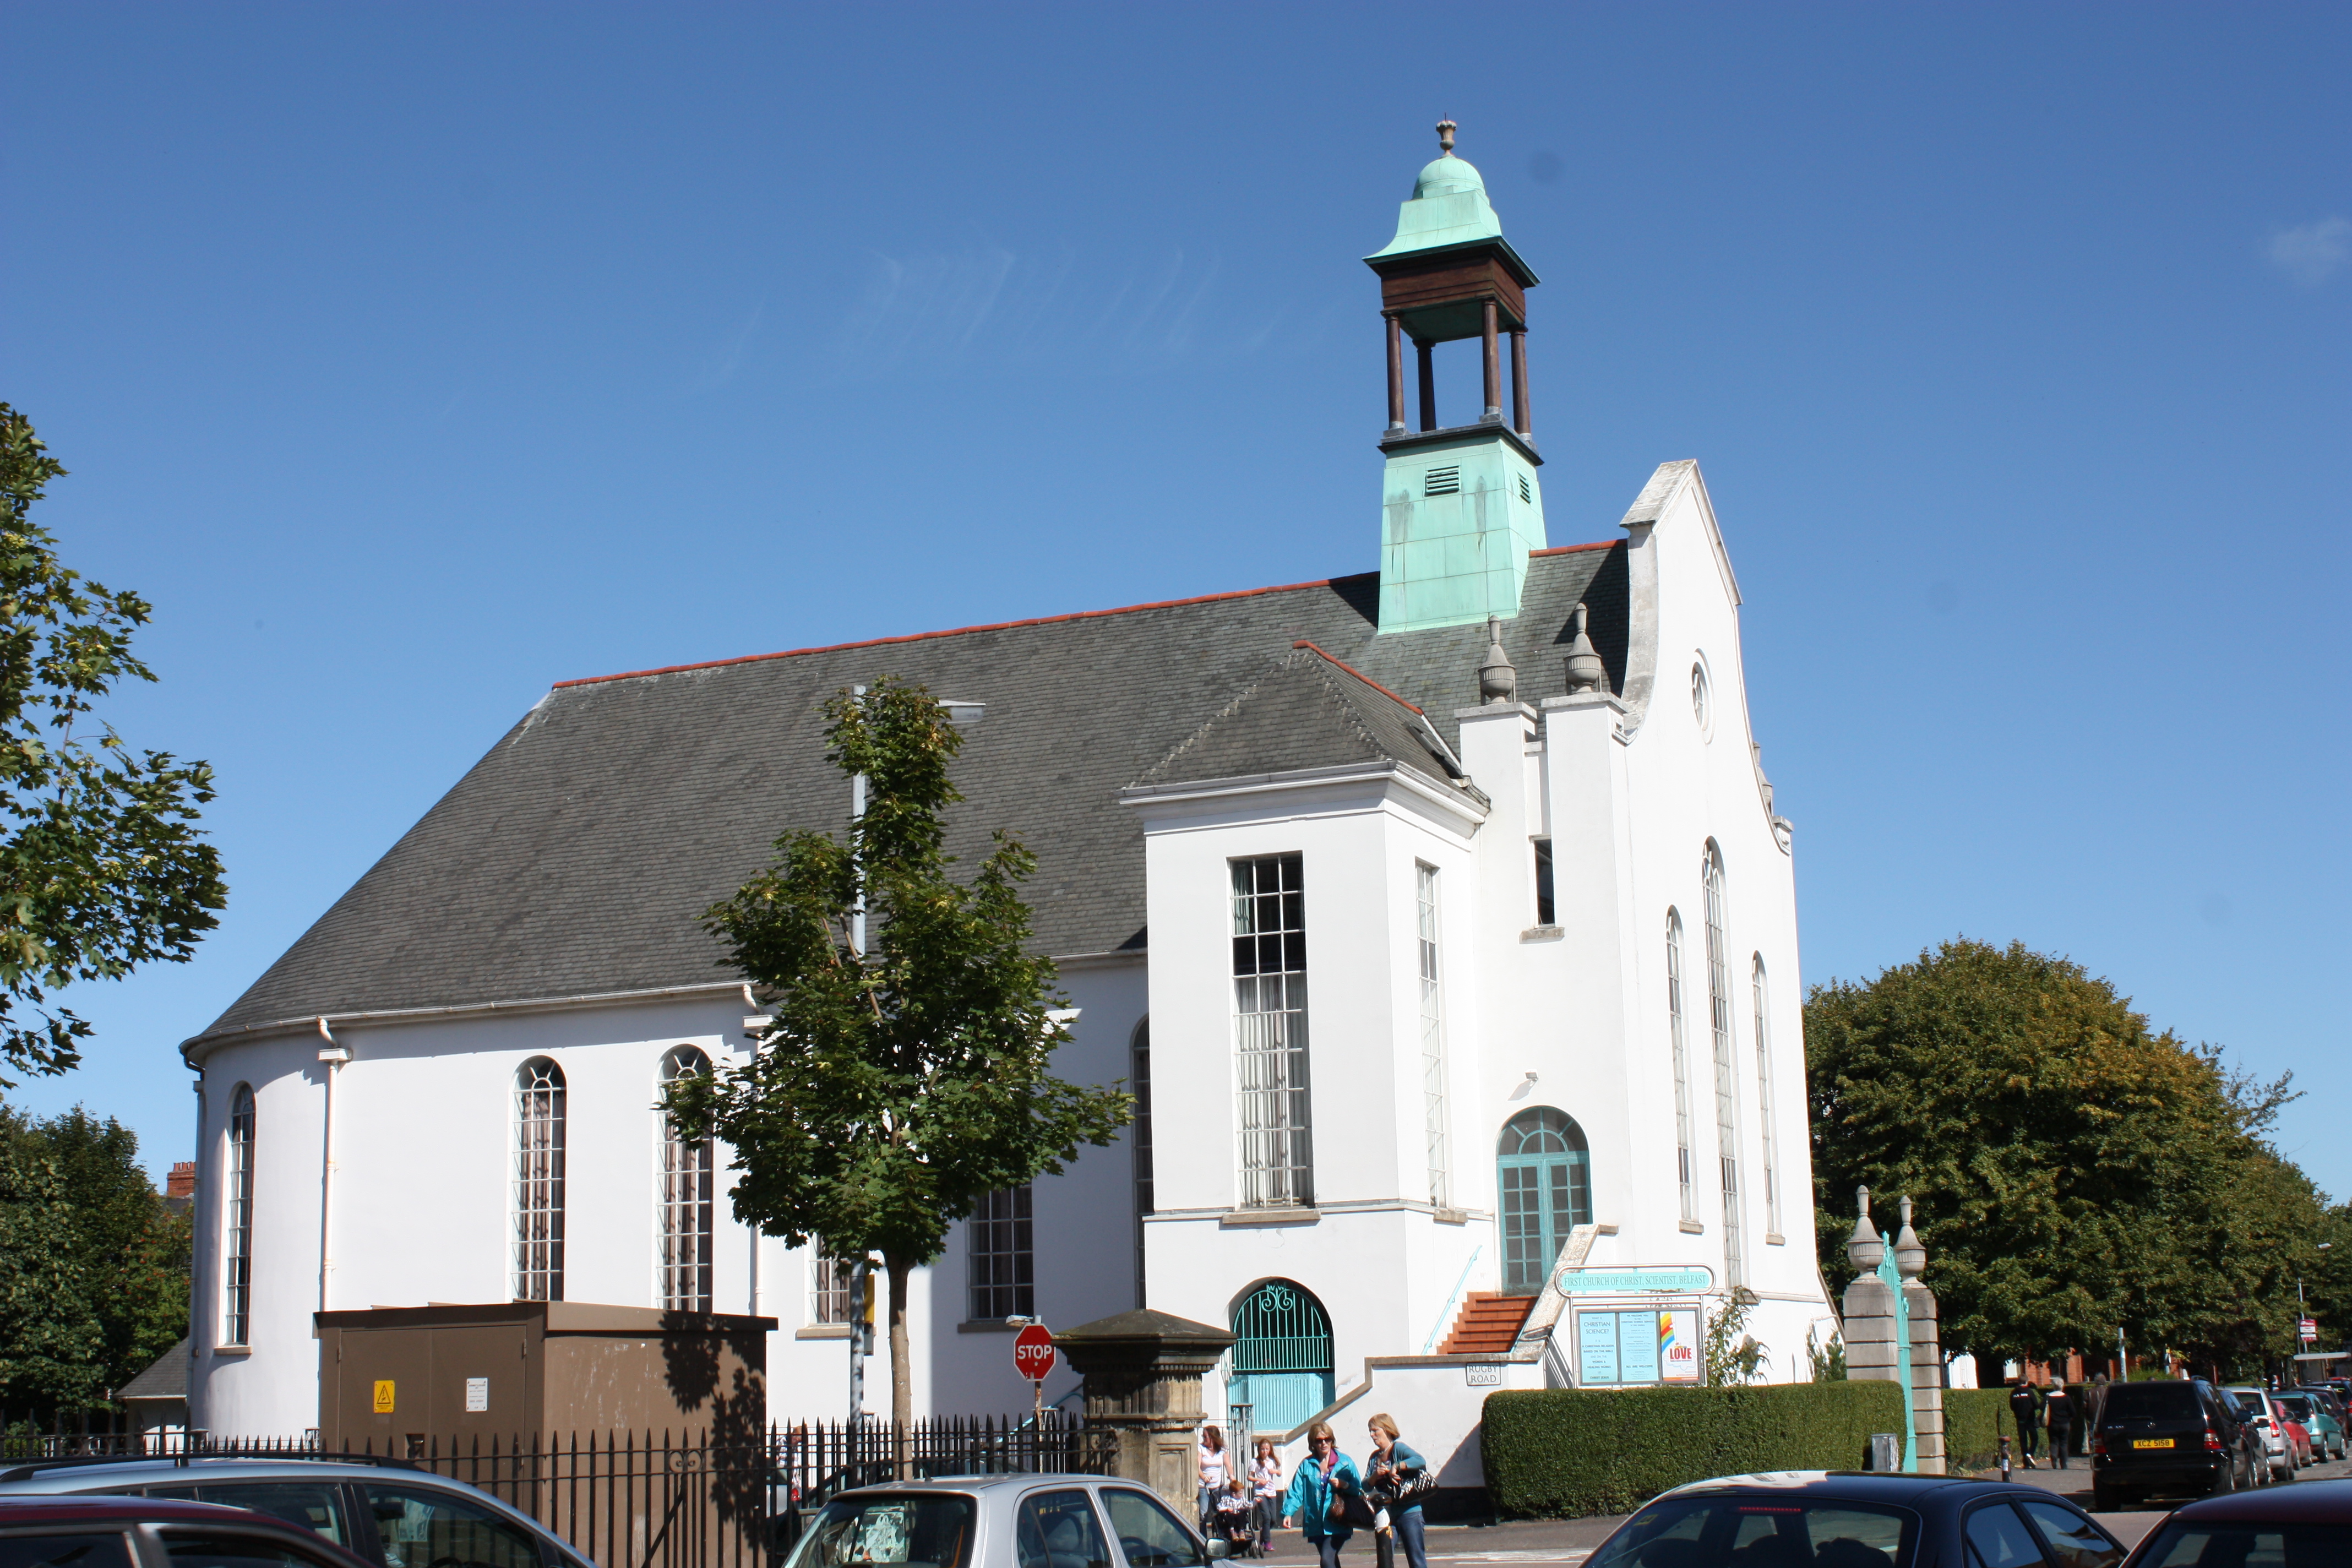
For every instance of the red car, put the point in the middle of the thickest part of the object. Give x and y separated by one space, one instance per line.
153 1532
2297 1434
2291 1526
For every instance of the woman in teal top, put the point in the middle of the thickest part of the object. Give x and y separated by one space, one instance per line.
1325 1477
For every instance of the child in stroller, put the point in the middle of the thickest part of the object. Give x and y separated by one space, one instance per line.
1236 1518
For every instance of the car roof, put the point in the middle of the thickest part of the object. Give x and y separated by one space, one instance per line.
1850 1486
127 1470
2306 1502
994 1482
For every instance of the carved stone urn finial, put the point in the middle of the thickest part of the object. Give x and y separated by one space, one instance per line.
1910 1257
1585 670
1499 678
1445 128
1864 1249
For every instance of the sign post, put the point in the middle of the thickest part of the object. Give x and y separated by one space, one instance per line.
1033 1358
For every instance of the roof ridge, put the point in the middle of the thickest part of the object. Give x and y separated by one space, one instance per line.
1232 705
960 631
1360 675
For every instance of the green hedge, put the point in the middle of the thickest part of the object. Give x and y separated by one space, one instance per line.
1568 1452
1975 1420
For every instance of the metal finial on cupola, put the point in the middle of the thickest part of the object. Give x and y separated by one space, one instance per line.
1499 678
1585 670
1445 137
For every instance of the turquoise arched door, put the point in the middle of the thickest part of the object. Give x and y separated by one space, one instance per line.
1545 1176
1282 1356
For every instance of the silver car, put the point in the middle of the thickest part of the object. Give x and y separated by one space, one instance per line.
387 1512
1002 1521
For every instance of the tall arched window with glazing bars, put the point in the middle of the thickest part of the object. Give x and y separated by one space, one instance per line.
236 1223
539 1181
1764 1102
685 1179
1682 1064
1727 1073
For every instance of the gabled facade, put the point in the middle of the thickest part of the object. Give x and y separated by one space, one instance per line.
1447 950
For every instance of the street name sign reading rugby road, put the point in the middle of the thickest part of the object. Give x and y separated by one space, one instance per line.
1032 1353
1697 1280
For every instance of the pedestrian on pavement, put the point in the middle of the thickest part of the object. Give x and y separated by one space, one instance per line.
2058 1415
1213 1474
1320 1490
1395 1475
2025 1410
1266 1478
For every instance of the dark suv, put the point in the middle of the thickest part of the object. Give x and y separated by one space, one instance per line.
2167 1436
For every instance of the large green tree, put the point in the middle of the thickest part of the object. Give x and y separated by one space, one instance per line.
2075 1171
101 866
899 1083
93 1263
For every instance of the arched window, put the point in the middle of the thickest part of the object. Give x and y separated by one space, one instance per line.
539 1182
1138 1053
236 1224
1544 1172
1433 1039
685 1199
1726 1076
1682 1063
1764 1103
1282 1357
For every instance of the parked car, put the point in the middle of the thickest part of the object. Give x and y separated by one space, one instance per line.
1001 1522
107 1531
2169 1436
2329 1406
1857 1520
2312 1524
2279 1456
390 1513
2319 1422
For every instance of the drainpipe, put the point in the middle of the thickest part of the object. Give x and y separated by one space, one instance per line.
334 1056
200 1254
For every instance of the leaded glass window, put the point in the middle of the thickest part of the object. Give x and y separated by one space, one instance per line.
686 1199
1139 1051
1433 1036
1764 1101
237 1225
1003 1264
1727 1073
539 1182
831 1298
1278 1151
1682 1063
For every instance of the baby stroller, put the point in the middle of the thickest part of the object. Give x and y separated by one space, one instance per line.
1235 1519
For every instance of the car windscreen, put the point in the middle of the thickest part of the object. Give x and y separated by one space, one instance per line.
2193 1543
2166 1401
912 1530
2297 1408
1766 1531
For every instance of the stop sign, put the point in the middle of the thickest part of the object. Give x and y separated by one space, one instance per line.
1032 1353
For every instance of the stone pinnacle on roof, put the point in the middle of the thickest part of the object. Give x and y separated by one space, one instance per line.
1498 681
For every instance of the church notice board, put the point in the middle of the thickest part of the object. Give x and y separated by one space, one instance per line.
1621 1346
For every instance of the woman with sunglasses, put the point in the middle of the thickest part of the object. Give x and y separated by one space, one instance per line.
1319 1490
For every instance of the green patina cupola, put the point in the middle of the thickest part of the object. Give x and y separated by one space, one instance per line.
1462 504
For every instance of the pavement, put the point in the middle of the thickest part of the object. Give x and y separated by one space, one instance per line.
1568 1541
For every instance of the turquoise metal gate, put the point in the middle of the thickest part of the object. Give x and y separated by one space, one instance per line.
1282 1356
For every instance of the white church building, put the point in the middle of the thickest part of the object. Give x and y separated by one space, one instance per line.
1440 917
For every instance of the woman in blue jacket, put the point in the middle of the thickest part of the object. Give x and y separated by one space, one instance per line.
1323 1479
1394 1467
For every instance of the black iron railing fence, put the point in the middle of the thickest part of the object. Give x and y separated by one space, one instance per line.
650 1498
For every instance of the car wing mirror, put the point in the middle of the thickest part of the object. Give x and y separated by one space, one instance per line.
1219 1549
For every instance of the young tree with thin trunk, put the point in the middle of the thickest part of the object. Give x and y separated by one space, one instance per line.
897 1084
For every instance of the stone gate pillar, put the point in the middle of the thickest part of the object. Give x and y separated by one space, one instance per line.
1926 1349
1892 1334
1142 1372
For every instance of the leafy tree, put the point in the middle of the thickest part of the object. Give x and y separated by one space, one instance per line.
896 1085
2074 1172
93 1264
101 868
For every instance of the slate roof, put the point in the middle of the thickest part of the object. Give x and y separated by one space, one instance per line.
577 856
1306 710
167 1379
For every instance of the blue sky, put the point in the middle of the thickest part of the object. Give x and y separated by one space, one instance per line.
412 358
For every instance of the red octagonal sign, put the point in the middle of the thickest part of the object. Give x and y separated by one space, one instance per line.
1032 1353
